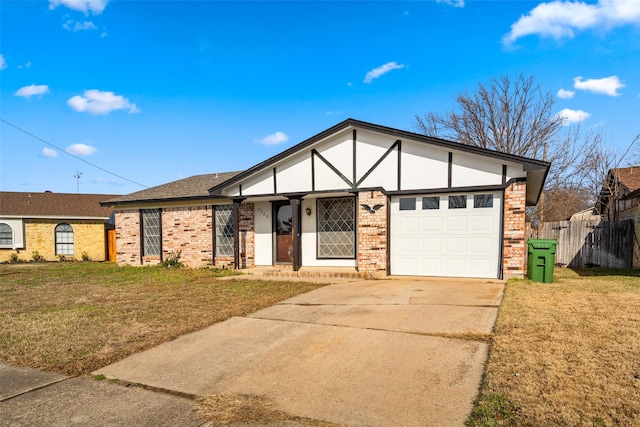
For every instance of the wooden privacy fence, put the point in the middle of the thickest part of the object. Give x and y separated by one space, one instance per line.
591 243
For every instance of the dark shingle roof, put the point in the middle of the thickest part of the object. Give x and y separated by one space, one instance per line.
27 205
189 188
629 177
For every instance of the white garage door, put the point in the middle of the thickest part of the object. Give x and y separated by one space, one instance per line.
453 235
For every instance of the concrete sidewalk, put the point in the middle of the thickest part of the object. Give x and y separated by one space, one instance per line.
33 398
380 352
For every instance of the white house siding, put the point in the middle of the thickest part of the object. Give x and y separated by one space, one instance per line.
294 175
423 167
262 183
262 215
467 171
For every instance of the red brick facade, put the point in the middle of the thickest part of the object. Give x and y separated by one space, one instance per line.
513 255
185 229
188 230
372 232
247 236
128 237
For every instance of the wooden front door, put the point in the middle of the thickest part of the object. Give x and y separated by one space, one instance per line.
282 231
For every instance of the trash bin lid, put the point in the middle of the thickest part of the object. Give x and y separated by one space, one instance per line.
542 243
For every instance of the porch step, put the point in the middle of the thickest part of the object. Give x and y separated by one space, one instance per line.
322 273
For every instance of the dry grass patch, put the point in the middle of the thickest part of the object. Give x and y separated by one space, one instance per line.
74 318
566 353
229 409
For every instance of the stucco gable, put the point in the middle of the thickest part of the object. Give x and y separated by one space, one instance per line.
356 155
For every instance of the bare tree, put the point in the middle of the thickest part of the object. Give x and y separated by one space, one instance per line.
505 115
516 117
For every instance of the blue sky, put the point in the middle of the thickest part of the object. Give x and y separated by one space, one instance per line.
154 91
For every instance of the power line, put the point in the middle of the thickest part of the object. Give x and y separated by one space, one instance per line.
72 155
629 148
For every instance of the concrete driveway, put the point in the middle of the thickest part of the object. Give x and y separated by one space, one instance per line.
380 352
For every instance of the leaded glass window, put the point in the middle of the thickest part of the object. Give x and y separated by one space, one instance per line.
224 230
151 232
64 239
6 235
336 228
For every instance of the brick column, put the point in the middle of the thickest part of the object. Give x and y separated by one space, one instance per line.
128 237
372 232
247 236
513 254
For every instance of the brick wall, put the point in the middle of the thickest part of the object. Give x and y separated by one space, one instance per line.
372 232
513 255
185 229
88 237
247 236
128 237
188 230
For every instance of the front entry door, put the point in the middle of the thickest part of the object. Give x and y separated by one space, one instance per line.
283 236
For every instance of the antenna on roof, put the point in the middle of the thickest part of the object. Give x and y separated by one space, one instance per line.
77 177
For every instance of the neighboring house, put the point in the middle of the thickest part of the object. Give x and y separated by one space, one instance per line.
359 195
53 225
585 215
620 199
620 194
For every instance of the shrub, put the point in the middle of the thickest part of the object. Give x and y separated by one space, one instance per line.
173 260
85 256
36 257
13 258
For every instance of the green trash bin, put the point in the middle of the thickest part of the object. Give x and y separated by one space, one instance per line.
541 259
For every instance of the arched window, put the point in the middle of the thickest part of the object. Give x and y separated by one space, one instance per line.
6 235
64 239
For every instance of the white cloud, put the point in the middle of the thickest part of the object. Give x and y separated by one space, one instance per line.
76 26
561 18
81 149
454 3
273 139
607 85
94 6
29 91
383 69
26 65
98 102
48 152
562 93
331 113
573 116
3 62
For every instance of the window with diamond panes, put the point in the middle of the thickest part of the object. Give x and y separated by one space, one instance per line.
64 239
6 235
151 232
336 228
224 230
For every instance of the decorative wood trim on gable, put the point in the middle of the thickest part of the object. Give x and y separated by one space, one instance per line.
275 182
380 160
333 168
450 172
354 141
